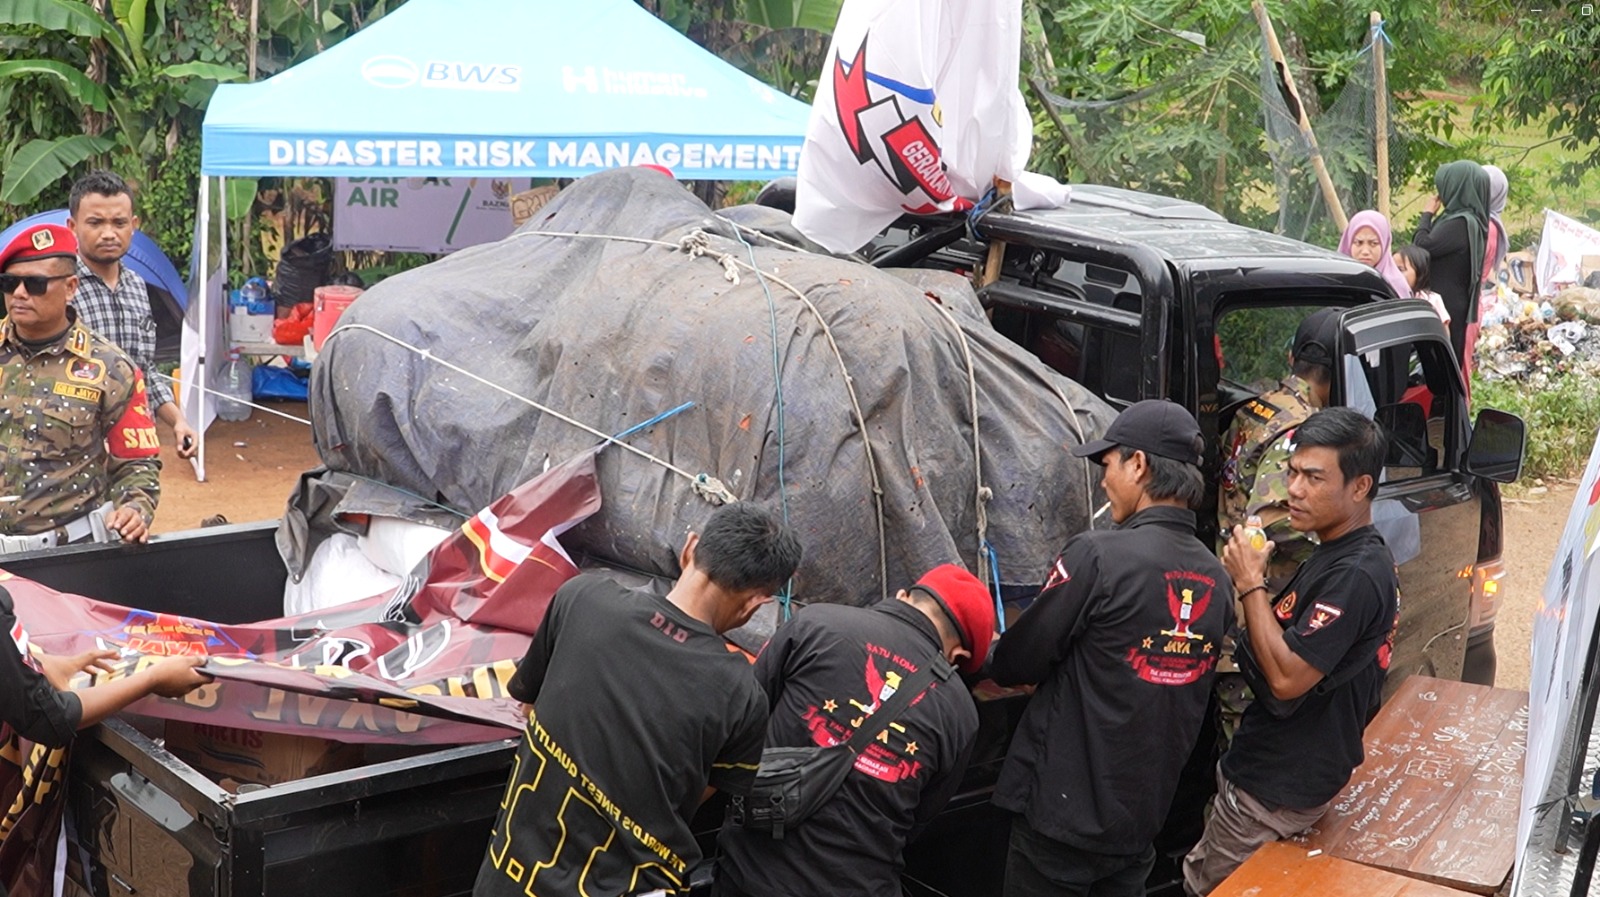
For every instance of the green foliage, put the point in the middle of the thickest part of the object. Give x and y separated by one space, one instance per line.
817 15
42 162
1562 419
1544 71
1190 73
127 90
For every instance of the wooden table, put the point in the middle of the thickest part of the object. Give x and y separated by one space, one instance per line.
1438 795
1282 869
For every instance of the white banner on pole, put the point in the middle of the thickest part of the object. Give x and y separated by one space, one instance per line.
433 215
1562 246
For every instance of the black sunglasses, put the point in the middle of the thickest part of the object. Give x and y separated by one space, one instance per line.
36 284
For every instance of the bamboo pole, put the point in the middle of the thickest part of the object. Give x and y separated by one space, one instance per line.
1381 92
255 25
997 248
1286 78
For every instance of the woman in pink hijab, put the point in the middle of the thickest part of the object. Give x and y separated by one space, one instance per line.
1366 239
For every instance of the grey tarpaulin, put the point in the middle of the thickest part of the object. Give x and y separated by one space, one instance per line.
613 333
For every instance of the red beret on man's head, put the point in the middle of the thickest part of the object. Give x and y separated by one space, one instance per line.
42 241
968 604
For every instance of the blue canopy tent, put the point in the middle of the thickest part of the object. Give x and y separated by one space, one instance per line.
169 295
483 88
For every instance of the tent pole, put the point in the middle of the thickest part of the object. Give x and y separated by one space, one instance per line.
202 297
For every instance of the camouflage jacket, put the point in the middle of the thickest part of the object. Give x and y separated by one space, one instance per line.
1255 474
75 431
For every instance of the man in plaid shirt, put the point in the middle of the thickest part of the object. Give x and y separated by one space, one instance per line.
112 300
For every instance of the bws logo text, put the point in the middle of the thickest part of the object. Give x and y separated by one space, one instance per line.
398 71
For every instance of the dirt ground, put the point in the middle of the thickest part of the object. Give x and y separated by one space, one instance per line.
1533 527
252 466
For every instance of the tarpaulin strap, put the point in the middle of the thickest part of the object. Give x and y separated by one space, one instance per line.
653 421
786 596
982 493
994 585
698 243
707 487
849 382
986 204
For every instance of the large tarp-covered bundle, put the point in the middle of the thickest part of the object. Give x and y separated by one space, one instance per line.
613 333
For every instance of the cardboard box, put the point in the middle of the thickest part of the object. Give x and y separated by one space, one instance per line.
261 758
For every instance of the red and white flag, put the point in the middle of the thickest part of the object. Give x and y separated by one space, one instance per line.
917 110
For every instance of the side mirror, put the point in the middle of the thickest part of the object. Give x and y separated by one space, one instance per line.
1499 443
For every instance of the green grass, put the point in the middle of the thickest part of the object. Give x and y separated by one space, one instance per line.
1562 419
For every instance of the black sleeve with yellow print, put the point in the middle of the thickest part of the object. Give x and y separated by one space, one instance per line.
133 462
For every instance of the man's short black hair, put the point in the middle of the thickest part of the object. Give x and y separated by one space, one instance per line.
1170 479
99 182
1359 442
745 546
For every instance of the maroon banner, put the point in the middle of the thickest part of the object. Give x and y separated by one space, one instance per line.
426 663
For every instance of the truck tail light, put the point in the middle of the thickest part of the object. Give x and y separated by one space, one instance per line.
1486 576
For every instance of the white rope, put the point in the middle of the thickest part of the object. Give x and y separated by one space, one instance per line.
982 493
708 487
697 243
235 399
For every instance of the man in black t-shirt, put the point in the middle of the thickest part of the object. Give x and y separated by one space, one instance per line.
1316 653
825 672
1123 641
639 709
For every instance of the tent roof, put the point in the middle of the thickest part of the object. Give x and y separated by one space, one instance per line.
540 88
144 256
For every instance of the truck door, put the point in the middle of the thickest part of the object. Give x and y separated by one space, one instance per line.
1397 367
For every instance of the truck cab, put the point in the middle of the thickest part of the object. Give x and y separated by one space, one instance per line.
1138 296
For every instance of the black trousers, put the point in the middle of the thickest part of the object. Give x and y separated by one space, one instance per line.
1040 866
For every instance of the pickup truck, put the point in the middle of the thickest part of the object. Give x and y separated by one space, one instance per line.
1133 295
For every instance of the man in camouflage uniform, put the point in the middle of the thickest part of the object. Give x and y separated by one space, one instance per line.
1255 476
78 449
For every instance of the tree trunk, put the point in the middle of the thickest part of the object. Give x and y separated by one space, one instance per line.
94 123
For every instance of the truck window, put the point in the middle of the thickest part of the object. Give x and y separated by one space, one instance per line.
1064 324
1409 390
1253 345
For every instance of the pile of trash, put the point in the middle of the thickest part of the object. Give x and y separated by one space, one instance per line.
1530 340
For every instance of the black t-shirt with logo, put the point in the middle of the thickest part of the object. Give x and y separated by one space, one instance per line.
637 708
1341 608
823 670
1123 643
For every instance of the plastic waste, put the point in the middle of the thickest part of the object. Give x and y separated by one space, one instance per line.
233 381
1566 335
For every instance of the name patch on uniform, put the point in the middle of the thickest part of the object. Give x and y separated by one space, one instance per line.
87 370
71 391
1323 615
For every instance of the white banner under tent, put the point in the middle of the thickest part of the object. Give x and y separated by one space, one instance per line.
432 215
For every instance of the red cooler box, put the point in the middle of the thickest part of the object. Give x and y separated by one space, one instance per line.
331 301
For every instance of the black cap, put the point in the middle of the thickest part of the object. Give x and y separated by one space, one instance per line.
1155 427
1314 341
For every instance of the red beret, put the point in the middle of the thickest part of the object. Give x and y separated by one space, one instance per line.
42 241
968 604
661 168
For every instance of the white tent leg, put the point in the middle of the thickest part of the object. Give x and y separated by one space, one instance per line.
202 297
